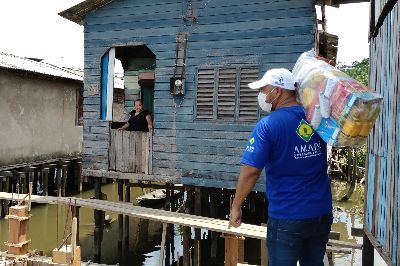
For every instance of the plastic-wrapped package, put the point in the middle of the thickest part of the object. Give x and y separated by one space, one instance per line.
340 109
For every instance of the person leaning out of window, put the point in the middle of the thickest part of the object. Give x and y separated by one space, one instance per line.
140 119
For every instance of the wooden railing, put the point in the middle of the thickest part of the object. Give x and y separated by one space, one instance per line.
130 151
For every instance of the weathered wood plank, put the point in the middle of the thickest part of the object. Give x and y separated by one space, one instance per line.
112 151
119 160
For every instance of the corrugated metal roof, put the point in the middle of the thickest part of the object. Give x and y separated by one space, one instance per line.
11 61
77 13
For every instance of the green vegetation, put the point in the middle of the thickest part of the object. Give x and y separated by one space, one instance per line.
357 70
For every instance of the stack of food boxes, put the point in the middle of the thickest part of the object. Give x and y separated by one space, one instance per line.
339 108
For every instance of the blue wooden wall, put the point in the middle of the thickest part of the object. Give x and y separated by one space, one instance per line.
382 187
227 32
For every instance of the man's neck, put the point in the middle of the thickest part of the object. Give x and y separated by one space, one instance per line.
286 102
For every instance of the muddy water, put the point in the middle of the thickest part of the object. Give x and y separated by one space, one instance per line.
347 215
47 229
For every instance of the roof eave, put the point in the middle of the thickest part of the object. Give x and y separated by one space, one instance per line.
78 12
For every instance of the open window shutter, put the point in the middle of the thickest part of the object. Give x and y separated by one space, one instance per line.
226 93
107 84
248 107
205 93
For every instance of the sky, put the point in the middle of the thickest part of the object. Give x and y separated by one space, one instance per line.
33 28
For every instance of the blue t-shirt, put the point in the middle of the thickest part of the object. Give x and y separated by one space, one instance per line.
294 157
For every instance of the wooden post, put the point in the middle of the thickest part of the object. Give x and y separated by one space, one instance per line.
58 180
78 175
187 230
234 249
2 214
99 222
64 177
7 189
23 186
73 233
162 248
45 181
35 181
127 199
367 252
75 214
264 251
197 231
120 219
18 219
214 236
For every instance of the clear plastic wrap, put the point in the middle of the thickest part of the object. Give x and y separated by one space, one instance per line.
340 109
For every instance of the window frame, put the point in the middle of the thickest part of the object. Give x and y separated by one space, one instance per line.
217 69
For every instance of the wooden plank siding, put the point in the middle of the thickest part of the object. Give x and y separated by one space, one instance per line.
265 34
382 188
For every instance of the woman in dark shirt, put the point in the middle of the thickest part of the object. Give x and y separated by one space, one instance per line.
140 119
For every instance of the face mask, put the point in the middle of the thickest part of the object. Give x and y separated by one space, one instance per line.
262 97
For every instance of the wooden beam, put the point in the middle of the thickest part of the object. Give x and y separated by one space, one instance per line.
217 225
130 176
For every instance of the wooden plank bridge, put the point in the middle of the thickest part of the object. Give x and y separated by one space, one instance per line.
216 225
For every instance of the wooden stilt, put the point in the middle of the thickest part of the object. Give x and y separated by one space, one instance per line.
58 181
127 199
197 231
78 175
64 176
186 230
7 189
75 214
120 219
45 182
99 223
234 249
162 248
2 213
367 252
23 186
264 251
35 181
214 236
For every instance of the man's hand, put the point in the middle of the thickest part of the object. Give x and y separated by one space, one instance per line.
120 129
235 217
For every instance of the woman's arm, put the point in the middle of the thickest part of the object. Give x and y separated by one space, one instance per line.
125 127
149 121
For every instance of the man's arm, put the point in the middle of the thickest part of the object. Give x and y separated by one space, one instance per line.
247 179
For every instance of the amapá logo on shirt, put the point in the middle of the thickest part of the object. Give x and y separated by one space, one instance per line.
305 132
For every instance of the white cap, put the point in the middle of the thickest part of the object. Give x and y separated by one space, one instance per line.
278 77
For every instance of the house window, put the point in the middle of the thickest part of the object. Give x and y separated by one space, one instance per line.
79 107
223 94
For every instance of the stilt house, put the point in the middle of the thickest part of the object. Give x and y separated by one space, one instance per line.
190 61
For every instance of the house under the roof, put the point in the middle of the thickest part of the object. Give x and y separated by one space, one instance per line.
39 111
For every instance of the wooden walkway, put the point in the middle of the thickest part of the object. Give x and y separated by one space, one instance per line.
216 225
